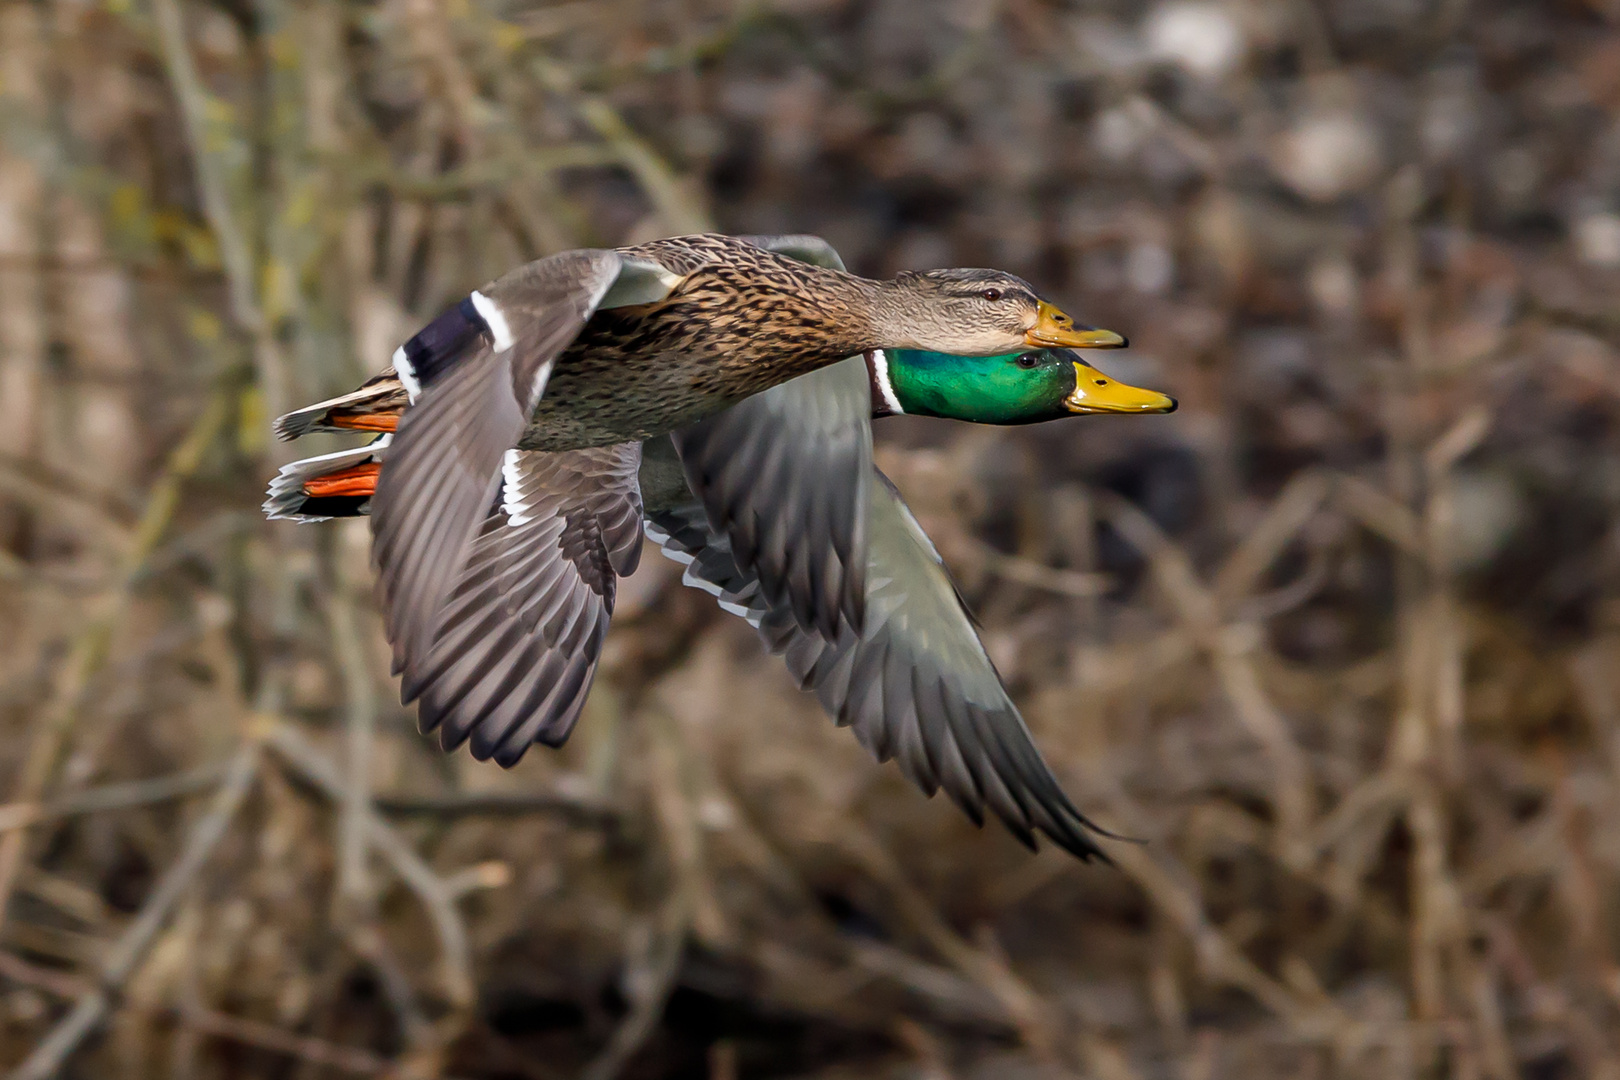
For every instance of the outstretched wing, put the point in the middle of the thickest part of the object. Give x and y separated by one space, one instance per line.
475 375
522 629
786 473
915 684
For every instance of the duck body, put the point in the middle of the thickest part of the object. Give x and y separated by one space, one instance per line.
738 321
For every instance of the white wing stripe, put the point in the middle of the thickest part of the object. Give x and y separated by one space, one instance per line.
407 374
512 489
494 319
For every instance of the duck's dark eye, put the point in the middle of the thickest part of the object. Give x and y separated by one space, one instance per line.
1028 360
991 294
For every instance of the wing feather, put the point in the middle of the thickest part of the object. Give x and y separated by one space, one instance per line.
521 633
786 473
915 684
443 468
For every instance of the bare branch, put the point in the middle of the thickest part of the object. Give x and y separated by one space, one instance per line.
455 959
89 649
205 834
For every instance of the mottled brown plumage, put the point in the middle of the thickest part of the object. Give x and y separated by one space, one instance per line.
741 320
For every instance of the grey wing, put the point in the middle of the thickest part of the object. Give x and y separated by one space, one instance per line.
915 684
680 527
801 246
786 474
786 471
476 374
522 629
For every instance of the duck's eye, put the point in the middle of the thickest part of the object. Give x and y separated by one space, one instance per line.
991 294
1028 360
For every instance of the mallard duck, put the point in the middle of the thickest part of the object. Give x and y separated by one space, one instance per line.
915 682
601 349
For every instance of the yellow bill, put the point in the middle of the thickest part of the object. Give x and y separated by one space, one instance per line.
1095 392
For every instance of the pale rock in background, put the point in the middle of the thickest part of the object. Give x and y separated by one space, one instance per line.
1202 38
1328 155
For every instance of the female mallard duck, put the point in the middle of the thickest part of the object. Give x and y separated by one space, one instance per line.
915 681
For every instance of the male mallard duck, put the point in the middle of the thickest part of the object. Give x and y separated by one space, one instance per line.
915 681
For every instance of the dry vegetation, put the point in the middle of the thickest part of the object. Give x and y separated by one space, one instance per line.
1340 640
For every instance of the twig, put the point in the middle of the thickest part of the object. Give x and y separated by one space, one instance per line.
1025 1009
681 211
1036 575
951 997
488 174
354 900
691 907
1231 649
317 1052
122 959
1379 513
50 491
113 797
1220 959
649 978
89 649
50 980
1289 512
455 955
682 835
234 252
206 1021
353 890
578 809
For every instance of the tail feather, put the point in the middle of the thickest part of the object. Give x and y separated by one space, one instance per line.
313 489
376 406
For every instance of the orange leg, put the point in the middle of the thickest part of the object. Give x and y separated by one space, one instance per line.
366 421
359 480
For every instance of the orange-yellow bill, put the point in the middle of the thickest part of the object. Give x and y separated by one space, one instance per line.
1055 330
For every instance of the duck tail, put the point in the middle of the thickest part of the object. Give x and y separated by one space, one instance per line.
376 406
330 486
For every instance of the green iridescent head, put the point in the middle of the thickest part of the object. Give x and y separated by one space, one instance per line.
1017 388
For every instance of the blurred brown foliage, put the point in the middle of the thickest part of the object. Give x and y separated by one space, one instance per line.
1339 641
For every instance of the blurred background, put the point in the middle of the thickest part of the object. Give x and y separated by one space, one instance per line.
1340 640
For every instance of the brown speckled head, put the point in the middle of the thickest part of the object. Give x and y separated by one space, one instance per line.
969 312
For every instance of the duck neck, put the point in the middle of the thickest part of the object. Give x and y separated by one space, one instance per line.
982 390
885 313
855 310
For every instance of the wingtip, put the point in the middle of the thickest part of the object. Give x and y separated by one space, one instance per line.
508 756
1080 836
